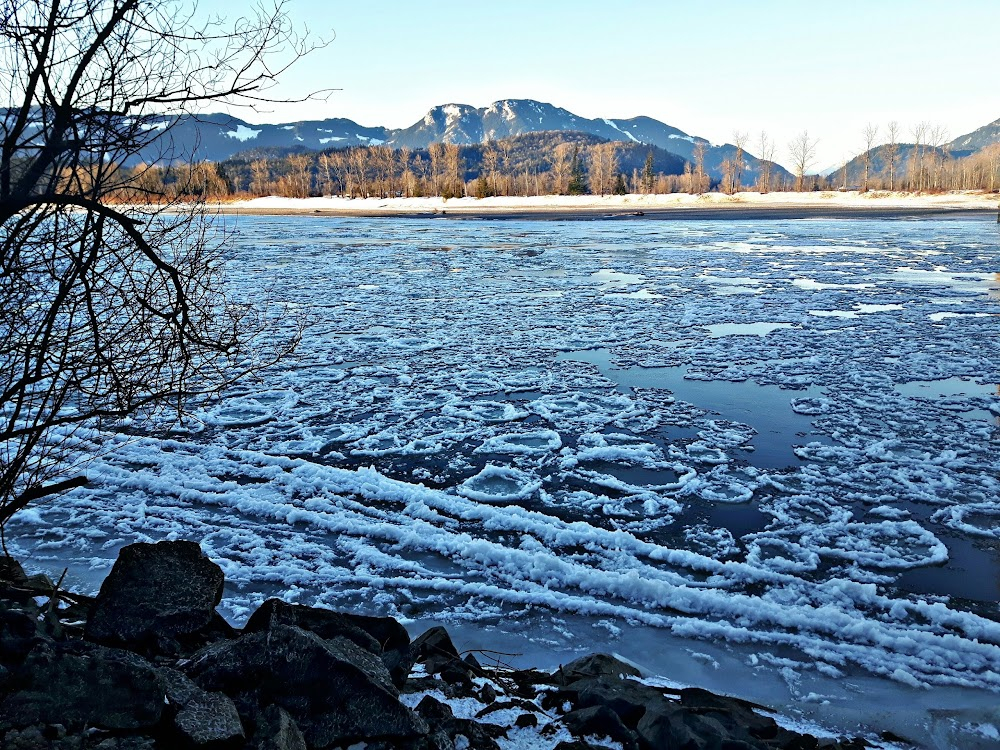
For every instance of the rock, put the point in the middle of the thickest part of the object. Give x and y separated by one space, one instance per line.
30 738
628 699
526 720
378 635
399 662
737 716
385 632
673 725
39 583
445 726
600 721
79 684
18 633
436 651
434 644
180 688
54 731
524 683
156 596
595 665
210 720
337 692
487 694
277 730
11 571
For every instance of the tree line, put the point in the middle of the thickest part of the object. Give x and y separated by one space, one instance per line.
527 165
567 163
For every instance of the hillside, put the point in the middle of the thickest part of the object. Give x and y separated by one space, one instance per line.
977 140
218 137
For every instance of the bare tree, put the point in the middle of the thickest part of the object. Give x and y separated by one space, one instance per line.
297 183
870 135
699 167
937 139
562 162
454 166
111 296
490 167
728 168
916 171
891 150
740 140
260 177
802 150
765 160
603 167
688 178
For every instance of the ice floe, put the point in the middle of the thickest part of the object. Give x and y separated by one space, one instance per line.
517 432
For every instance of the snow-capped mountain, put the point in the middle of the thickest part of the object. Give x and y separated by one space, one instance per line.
978 139
463 124
218 137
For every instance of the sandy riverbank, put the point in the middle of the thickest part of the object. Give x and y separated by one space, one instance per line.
675 205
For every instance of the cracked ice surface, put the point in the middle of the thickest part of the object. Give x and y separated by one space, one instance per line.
727 430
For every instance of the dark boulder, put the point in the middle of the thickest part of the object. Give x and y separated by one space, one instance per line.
79 684
434 644
209 720
669 725
595 665
446 728
18 633
382 636
180 688
600 721
627 698
526 720
336 691
11 571
435 650
277 730
736 715
17 587
158 598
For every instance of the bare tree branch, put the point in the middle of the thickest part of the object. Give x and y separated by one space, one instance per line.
112 293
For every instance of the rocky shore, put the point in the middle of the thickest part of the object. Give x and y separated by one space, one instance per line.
149 663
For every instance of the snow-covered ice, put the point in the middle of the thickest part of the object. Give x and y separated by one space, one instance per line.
576 435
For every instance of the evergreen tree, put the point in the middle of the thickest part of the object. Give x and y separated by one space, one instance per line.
647 173
620 188
483 188
577 178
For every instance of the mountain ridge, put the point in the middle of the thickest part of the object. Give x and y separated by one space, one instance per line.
216 137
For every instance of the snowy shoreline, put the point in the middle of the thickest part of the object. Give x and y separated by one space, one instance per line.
679 204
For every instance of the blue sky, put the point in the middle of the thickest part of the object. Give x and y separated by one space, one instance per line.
707 68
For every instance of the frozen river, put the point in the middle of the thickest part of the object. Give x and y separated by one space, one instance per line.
763 456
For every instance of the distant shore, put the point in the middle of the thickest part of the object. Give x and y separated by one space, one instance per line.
668 206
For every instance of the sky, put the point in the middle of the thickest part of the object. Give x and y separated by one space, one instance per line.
708 68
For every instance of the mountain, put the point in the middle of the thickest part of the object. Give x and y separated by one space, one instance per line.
218 137
978 139
879 165
464 125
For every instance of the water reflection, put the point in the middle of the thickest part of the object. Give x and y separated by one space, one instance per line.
765 408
